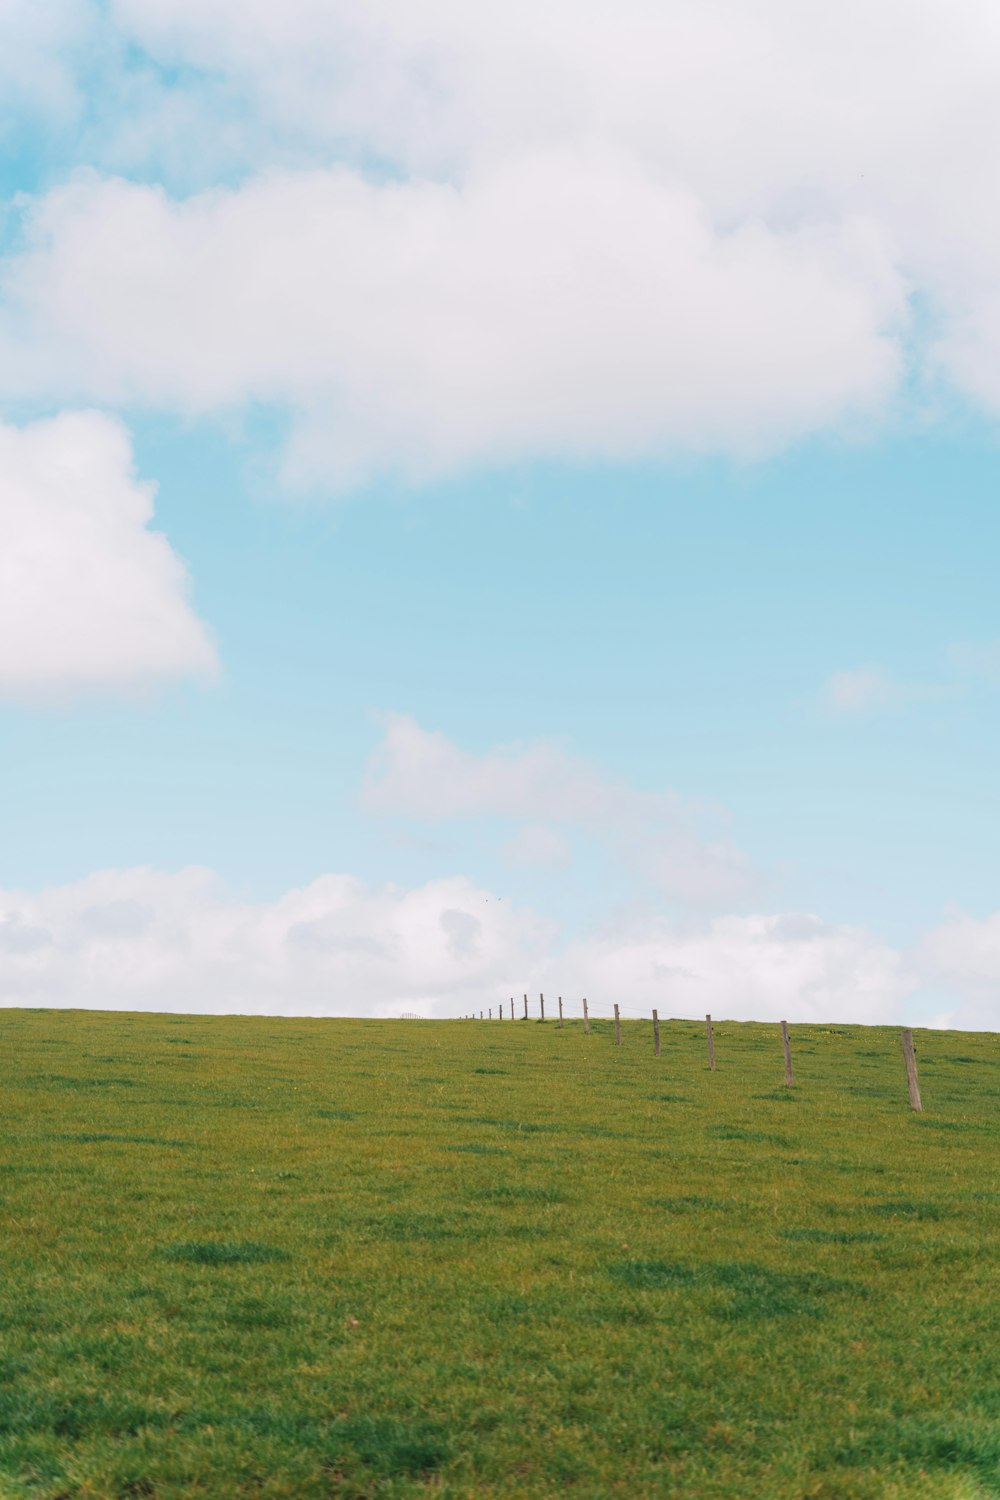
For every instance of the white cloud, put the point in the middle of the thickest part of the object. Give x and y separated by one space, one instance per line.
140 939
566 304
89 596
674 841
861 124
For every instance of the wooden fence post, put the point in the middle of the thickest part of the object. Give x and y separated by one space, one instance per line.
618 1028
656 1034
560 1010
480 1015
586 1020
541 1002
525 1007
789 1080
711 1042
910 1058
491 1012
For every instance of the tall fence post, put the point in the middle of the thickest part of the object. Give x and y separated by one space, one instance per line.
786 1044
560 1011
491 1012
541 1006
656 1034
910 1058
525 1007
711 1042
618 1028
586 1020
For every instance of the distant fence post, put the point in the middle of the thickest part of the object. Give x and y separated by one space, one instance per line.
709 1030
586 1019
560 1010
618 1028
910 1058
525 1007
491 1012
541 1004
789 1080
656 1034
480 1015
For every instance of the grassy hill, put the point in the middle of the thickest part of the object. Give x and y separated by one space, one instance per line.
395 1259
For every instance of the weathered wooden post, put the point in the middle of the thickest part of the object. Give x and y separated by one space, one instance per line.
586 1019
618 1027
491 1012
789 1080
711 1042
560 1011
525 1007
541 1003
656 1034
910 1058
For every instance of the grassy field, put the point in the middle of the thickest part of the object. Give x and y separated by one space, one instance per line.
394 1259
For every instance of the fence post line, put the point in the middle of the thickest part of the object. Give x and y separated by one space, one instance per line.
789 1080
560 1010
618 1027
710 1033
586 1020
525 1007
541 1002
910 1058
656 1034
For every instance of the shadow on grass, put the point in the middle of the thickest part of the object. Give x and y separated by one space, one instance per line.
224 1253
752 1291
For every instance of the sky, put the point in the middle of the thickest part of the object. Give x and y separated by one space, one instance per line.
500 500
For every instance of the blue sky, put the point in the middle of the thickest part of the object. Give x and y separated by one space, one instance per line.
570 557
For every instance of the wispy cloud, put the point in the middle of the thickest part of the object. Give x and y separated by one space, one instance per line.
859 690
678 844
962 668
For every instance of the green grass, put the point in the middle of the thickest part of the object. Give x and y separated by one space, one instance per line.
381 1260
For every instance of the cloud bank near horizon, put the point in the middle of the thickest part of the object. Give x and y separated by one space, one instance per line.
143 939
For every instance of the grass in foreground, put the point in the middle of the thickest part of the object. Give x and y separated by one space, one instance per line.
389 1259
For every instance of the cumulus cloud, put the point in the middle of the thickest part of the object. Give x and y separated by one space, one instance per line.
844 147
90 597
568 304
465 237
142 939
678 843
